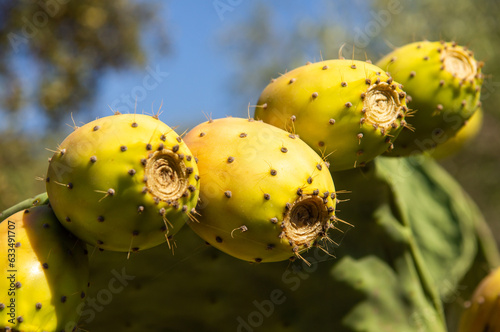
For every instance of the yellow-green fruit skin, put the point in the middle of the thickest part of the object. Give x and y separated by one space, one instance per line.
482 312
124 182
255 179
44 273
463 137
348 110
443 80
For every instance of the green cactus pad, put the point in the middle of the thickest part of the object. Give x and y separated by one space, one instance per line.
443 80
125 182
379 280
265 195
347 110
44 273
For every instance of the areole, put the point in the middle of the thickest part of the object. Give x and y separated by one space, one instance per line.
166 175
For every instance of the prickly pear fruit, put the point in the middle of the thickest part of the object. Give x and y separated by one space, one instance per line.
124 182
482 312
444 82
348 110
265 194
461 139
45 273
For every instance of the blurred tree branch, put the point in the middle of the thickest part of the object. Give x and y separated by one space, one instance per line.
70 44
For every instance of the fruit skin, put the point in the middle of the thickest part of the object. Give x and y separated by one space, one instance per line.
260 191
51 267
444 81
124 182
482 312
347 110
462 138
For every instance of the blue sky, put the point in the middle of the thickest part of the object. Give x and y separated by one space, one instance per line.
199 68
195 77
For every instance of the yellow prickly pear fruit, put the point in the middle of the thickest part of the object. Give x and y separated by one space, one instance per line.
265 195
125 182
444 82
471 129
348 110
482 312
44 273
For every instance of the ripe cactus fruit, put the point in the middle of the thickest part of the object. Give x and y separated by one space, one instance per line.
265 196
462 138
444 82
482 312
124 182
346 109
45 273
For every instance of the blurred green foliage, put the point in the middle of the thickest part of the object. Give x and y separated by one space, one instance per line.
69 44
